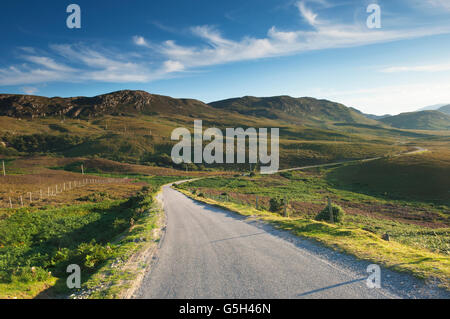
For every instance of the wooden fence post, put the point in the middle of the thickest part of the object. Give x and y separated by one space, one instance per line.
21 201
30 197
257 202
10 203
285 206
4 171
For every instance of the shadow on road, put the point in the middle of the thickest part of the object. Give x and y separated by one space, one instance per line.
330 287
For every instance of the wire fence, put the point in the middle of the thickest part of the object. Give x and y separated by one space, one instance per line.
23 199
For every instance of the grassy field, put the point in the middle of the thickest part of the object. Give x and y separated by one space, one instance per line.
37 243
145 139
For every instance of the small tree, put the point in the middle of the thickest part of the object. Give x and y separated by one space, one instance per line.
338 214
276 204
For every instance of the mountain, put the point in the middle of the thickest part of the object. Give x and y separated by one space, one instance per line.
423 120
445 109
116 103
305 110
431 107
136 126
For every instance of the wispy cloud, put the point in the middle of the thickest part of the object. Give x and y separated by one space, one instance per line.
324 35
418 68
79 62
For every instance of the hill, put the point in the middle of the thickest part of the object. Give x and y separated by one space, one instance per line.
445 109
431 107
423 120
116 103
135 127
303 110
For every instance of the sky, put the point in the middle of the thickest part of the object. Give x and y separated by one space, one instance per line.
212 50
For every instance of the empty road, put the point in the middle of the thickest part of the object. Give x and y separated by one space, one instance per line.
208 252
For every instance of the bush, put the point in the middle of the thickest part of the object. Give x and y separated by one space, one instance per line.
276 204
287 175
30 274
95 197
338 214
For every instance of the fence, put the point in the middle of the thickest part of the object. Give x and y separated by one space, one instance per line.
20 200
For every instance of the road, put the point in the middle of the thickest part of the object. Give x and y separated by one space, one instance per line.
416 151
208 252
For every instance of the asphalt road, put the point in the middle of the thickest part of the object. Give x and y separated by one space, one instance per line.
208 252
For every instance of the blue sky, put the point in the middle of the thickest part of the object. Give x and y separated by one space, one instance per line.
211 50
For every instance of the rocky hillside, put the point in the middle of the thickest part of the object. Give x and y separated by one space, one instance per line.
116 103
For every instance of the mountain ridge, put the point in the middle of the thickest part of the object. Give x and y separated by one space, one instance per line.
421 120
300 110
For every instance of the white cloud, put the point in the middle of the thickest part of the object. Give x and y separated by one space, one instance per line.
419 68
307 14
173 66
324 35
139 40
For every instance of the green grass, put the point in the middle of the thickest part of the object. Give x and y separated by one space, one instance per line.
36 245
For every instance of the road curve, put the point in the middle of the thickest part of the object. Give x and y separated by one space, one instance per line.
417 150
208 252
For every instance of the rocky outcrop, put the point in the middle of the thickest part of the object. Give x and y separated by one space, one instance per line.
116 103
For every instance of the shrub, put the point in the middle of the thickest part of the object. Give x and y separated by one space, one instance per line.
30 274
276 204
338 214
93 254
287 175
95 197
